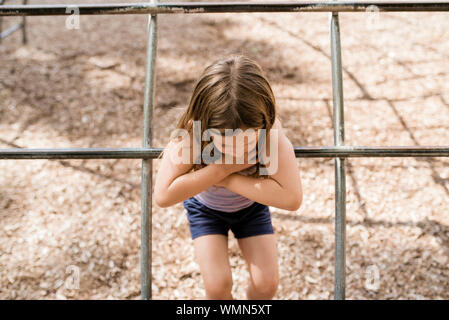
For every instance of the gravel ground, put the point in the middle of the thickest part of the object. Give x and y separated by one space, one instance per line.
71 229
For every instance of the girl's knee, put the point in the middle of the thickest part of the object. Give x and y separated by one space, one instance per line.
219 287
266 285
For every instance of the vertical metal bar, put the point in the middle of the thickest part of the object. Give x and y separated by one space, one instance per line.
1 2
147 164
340 178
1 28
24 34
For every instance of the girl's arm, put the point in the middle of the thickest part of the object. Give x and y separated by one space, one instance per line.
174 184
282 189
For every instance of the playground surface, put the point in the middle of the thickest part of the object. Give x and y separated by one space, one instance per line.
84 88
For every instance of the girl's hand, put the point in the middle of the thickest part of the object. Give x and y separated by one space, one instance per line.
232 167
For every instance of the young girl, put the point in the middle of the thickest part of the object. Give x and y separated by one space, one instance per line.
232 93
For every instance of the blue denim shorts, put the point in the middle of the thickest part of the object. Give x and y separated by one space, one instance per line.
250 221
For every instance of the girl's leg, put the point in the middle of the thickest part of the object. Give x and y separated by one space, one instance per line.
260 254
211 253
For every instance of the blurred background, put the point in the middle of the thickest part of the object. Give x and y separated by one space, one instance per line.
70 229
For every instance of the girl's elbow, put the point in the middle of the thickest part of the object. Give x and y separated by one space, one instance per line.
295 203
161 201
294 206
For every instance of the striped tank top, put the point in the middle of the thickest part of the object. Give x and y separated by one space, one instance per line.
221 199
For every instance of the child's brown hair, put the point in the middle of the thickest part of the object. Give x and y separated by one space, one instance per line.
232 92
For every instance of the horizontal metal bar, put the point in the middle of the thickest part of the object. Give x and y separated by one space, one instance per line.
363 151
152 153
219 7
80 153
7 32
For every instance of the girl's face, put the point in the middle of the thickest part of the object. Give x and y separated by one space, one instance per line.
239 145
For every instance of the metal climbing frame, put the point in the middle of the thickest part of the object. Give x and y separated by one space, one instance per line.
20 25
147 153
